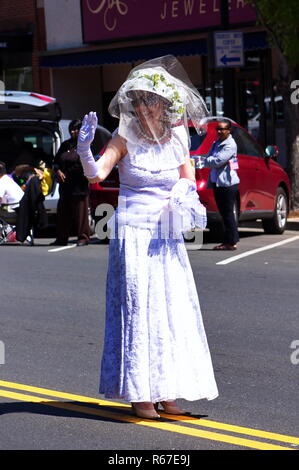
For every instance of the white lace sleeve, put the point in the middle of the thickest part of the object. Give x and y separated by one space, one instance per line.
183 137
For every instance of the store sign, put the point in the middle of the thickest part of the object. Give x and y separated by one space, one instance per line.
115 19
229 50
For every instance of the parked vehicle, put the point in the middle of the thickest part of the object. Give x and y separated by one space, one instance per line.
29 125
264 190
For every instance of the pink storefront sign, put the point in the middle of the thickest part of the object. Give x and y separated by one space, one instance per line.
115 19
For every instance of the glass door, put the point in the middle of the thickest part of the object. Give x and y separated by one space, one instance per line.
249 108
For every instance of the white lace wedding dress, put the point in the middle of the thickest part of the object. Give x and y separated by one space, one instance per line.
155 344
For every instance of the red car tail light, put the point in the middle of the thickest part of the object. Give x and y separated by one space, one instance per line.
200 184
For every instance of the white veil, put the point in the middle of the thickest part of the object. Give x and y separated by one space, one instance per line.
156 97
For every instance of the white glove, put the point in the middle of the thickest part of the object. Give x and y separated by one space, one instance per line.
184 202
85 137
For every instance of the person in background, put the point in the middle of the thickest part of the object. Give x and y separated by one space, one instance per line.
10 191
42 172
223 178
31 211
72 209
26 206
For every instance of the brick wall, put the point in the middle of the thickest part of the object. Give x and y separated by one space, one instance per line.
28 14
16 13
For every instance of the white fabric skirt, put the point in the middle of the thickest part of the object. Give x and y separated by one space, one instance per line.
155 345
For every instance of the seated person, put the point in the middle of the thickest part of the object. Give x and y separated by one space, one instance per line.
10 194
19 174
30 211
10 191
44 174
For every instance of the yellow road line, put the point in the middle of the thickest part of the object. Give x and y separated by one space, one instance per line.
238 429
56 393
238 441
186 419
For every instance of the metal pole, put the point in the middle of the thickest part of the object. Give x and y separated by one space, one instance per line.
228 74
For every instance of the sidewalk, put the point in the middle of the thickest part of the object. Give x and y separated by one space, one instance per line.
292 223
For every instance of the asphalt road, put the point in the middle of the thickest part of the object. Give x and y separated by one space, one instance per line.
51 332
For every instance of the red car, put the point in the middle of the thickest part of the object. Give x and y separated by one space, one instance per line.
264 189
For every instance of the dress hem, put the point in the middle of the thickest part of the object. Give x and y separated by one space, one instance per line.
157 400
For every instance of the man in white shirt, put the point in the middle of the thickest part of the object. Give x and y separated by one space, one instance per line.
10 191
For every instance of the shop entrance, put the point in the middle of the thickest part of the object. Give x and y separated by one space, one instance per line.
249 100
247 93
259 108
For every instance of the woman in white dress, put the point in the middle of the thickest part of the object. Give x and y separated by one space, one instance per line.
155 348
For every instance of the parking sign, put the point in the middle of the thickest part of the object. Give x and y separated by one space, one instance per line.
229 50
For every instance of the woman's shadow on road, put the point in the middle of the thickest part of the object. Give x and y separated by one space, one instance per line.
77 409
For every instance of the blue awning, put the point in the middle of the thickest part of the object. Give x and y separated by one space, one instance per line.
124 55
252 41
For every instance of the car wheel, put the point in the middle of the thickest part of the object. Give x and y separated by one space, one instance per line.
277 223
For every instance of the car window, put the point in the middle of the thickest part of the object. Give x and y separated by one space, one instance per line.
25 146
196 139
245 145
40 140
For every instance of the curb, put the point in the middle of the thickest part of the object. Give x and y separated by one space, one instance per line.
292 224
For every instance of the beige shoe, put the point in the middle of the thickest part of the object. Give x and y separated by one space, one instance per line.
171 407
145 410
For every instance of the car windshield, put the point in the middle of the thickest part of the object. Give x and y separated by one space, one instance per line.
25 146
196 139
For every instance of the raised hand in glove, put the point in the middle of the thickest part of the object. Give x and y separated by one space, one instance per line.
85 137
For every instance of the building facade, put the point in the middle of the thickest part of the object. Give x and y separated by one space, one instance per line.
83 50
22 37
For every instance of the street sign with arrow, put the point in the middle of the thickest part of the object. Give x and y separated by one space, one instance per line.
229 50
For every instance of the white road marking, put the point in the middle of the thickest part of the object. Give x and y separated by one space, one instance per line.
61 248
257 250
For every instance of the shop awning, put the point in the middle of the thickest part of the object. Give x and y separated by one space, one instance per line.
252 41
124 55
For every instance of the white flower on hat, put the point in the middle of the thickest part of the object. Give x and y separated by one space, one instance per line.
161 83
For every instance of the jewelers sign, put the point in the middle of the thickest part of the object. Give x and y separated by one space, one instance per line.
114 19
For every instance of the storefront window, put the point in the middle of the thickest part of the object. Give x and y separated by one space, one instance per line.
249 110
214 99
19 79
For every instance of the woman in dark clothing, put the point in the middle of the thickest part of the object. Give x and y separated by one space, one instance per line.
72 209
